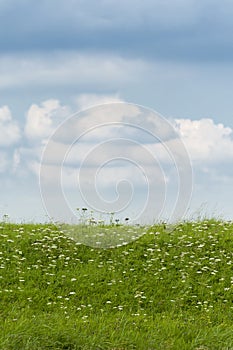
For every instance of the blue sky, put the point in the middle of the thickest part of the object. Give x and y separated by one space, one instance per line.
57 57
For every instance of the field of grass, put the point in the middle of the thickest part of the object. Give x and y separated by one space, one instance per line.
166 290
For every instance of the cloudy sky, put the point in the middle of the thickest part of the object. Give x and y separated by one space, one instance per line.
60 57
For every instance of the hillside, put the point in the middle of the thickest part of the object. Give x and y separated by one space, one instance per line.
166 290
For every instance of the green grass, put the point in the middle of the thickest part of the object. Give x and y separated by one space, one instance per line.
166 290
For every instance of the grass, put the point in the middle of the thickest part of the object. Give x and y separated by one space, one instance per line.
166 290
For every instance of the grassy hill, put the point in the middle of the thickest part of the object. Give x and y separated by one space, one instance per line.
166 290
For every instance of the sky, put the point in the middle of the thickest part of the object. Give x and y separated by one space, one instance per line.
167 64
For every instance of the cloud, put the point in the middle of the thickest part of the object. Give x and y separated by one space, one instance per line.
9 129
98 146
72 68
108 154
206 141
175 29
111 130
84 101
42 120
104 157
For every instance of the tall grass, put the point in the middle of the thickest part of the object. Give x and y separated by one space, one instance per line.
166 290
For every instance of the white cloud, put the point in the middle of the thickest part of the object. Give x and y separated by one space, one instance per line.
206 141
89 100
108 131
138 158
110 153
42 120
9 129
69 68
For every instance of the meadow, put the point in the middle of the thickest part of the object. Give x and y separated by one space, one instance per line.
165 290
